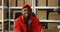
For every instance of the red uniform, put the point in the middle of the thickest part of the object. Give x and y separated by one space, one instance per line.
34 26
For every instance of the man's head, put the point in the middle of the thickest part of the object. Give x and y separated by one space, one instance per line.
26 10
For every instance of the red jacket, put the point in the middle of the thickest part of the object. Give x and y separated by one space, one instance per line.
20 26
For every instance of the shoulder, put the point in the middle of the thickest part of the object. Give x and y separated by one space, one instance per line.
34 18
19 18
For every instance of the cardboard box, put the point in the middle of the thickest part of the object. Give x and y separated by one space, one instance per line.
20 3
11 27
53 16
52 25
0 14
0 31
0 2
28 2
12 3
0 25
14 12
5 2
59 17
41 14
5 14
41 2
52 3
50 30
11 31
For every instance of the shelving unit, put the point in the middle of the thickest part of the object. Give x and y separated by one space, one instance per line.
2 15
34 8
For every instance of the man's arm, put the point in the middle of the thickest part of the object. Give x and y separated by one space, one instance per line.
17 27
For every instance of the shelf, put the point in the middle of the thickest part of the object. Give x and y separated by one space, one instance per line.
0 6
6 19
16 7
5 7
49 20
0 28
44 20
46 7
11 19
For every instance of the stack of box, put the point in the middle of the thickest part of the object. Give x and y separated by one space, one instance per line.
0 14
41 14
41 3
52 3
14 12
28 2
0 2
53 16
20 3
12 3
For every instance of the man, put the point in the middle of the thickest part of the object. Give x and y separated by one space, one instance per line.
27 22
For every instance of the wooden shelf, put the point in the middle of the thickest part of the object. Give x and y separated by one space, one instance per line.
5 7
0 6
46 7
16 7
49 20
44 20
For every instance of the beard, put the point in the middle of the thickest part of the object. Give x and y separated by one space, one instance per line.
26 16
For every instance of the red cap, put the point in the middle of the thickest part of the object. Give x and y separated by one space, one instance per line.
26 6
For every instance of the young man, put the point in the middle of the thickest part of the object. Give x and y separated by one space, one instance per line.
27 22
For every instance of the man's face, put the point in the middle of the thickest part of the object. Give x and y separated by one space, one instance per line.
25 12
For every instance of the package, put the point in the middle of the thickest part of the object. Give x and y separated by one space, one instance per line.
50 30
14 12
20 3
41 14
52 3
53 16
12 3
41 3
52 25
0 14
0 2
28 2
